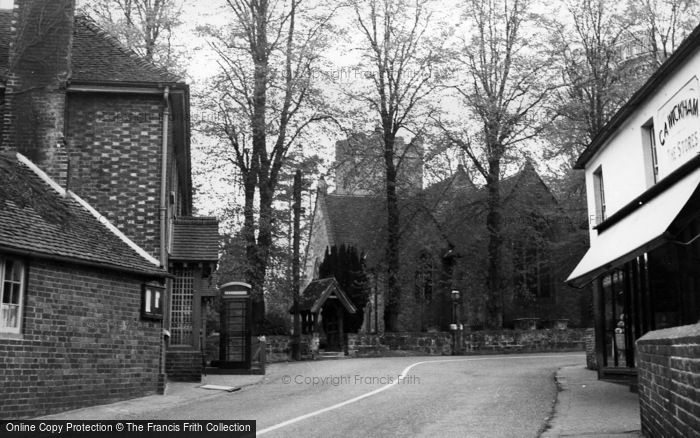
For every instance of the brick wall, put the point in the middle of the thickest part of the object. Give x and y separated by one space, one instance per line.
591 358
183 364
115 148
83 343
669 382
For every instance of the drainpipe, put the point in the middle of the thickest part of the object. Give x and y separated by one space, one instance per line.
163 224
164 179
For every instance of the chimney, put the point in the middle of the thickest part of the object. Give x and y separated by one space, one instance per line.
38 72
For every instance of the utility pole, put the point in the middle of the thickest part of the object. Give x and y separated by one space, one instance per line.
296 350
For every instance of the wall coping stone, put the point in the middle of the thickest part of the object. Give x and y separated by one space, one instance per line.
672 334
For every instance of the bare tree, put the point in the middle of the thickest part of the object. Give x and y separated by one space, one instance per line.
145 26
399 60
663 25
504 89
261 102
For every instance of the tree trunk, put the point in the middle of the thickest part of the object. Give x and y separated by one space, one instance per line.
494 287
257 257
393 288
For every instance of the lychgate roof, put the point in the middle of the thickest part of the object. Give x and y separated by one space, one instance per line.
318 291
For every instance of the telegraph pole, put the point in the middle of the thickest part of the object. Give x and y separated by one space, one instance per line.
296 350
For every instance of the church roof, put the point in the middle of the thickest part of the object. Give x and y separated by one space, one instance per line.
40 219
97 57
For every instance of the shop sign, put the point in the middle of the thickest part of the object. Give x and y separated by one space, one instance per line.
677 126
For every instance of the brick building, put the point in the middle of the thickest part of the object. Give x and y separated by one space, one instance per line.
75 328
444 242
114 129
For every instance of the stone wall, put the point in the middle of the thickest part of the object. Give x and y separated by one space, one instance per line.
400 344
669 382
83 343
279 348
440 343
528 341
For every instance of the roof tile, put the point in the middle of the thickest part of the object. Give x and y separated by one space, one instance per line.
36 218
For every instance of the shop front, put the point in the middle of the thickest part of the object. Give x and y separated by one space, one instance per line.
645 269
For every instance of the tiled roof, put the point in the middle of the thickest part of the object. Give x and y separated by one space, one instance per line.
358 221
39 218
195 239
96 56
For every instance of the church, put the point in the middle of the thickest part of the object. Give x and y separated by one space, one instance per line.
443 242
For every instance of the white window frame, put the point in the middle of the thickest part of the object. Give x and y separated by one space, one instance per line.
22 284
599 191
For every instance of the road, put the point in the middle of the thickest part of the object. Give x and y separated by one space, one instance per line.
475 396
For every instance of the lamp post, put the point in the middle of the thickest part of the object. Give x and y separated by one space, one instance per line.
456 339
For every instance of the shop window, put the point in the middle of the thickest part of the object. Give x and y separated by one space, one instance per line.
12 290
599 193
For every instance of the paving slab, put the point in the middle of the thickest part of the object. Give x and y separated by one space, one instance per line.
588 407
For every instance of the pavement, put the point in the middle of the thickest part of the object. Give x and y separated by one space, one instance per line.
176 394
584 407
588 407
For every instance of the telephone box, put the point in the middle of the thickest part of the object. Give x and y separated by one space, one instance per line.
234 346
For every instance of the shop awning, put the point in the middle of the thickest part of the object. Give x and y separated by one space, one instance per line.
644 229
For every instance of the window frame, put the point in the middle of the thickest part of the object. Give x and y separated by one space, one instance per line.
650 152
599 194
22 287
152 307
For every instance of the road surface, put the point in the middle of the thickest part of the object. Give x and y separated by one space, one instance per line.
472 396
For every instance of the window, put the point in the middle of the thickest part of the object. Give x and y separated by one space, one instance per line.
424 279
650 153
599 191
532 270
181 307
12 290
152 301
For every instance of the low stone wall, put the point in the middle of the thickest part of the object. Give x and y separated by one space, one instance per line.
524 341
399 344
669 380
279 348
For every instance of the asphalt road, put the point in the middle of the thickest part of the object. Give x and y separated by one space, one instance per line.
476 396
